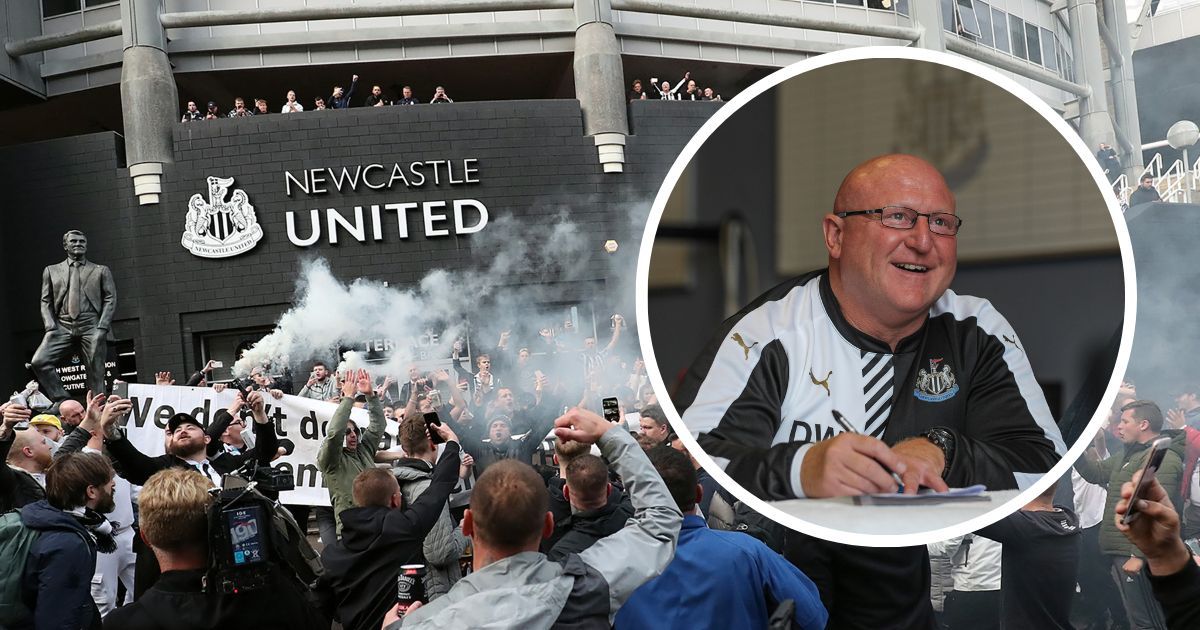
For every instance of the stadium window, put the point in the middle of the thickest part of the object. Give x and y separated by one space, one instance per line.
51 8
1016 29
1000 28
1034 43
984 13
948 16
902 7
854 2
1048 56
964 15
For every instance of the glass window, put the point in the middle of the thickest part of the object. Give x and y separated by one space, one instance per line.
984 12
1000 28
966 18
96 3
51 8
857 2
902 7
1048 56
1016 31
948 15
1034 42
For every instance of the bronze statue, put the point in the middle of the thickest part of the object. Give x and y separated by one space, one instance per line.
78 301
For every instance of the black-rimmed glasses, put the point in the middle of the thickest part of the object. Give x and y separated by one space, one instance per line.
901 218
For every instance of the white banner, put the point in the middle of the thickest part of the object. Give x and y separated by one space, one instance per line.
301 421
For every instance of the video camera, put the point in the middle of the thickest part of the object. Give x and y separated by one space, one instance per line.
249 536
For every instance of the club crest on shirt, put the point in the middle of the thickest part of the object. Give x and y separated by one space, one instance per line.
936 385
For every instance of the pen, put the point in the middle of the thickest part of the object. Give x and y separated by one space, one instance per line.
847 427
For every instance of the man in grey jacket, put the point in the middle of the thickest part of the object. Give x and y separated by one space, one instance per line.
515 586
444 543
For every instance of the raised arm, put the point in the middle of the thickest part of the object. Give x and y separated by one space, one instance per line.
416 521
266 442
644 547
335 434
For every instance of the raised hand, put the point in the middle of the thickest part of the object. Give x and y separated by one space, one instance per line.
163 378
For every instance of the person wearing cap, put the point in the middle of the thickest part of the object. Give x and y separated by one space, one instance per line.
50 427
187 442
499 443
213 112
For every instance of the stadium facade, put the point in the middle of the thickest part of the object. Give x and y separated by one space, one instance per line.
541 123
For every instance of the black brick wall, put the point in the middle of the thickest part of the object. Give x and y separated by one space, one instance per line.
533 161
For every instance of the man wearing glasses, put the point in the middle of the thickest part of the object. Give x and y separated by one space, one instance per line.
935 385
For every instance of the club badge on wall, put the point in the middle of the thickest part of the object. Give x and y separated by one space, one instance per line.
220 228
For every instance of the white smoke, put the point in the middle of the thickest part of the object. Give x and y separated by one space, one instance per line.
516 262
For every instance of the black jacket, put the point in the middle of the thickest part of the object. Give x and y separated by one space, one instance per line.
176 602
361 569
580 530
1041 552
1179 595
866 588
17 487
137 467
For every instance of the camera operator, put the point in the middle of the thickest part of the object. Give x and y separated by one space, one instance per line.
174 510
378 537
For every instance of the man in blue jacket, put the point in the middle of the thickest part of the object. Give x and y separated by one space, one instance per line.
71 526
717 579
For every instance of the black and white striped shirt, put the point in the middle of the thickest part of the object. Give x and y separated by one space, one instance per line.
764 389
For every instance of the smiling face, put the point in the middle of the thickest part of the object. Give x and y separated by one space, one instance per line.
887 278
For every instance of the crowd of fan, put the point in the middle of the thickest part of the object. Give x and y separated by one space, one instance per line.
1088 569
338 99
570 517
685 90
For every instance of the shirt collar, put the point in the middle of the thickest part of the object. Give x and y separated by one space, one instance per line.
857 338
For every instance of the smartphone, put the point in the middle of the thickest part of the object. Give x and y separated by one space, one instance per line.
120 388
1193 545
1158 450
612 411
431 421
218 364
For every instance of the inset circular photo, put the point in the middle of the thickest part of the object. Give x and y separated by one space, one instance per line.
887 291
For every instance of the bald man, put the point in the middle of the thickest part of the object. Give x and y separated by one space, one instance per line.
936 385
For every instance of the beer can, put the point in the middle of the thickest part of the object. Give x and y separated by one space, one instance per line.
410 585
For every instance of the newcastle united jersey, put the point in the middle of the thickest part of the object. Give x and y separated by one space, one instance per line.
764 390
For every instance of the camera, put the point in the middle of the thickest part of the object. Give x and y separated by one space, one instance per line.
250 537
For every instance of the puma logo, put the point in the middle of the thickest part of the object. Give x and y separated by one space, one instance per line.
741 342
1013 342
824 383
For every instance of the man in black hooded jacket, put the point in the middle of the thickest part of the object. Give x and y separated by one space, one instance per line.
378 537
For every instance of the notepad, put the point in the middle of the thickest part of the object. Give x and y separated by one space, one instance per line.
926 496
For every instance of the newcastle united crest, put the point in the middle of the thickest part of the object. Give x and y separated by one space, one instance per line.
935 385
220 228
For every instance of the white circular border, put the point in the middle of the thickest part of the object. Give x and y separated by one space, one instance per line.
857 54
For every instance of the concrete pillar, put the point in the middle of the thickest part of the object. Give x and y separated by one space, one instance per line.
600 82
148 97
1095 125
929 16
1124 94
